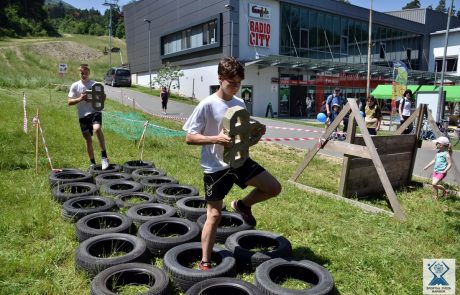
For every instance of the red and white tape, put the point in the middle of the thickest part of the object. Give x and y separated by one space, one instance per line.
24 100
288 138
295 129
36 122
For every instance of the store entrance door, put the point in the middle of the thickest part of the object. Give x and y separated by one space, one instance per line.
297 106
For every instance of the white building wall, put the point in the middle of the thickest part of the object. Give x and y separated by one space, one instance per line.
263 90
198 79
249 52
437 42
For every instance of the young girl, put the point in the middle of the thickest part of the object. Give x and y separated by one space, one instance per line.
442 163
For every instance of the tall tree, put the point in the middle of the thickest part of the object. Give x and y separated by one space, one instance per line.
412 4
441 6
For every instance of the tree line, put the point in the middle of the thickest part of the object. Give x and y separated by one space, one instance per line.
40 18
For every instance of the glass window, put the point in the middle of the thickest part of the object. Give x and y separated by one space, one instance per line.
193 37
450 65
304 38
344 44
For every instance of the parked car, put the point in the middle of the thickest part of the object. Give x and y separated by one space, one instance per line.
118 77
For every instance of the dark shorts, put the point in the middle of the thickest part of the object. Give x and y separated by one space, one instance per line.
87 122
164 104
218 184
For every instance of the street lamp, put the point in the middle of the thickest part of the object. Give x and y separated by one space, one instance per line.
110 3
230 8
150 67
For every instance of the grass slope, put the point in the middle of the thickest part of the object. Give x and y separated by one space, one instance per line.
366 253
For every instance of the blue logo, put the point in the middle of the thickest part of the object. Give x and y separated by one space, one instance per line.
438 269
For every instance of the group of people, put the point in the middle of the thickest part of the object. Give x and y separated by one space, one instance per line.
204 127
373 118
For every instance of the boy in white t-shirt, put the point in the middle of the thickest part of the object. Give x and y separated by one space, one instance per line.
204 127
90 120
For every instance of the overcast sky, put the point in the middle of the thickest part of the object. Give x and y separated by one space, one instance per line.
378 5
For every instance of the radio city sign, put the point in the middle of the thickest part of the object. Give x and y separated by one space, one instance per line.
259 30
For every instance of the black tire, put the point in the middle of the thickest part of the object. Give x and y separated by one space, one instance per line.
243 243
151 183
171 193
117 187
96 170
230 223
111 176
192 207
67 191
162 234
90 255
280 269
102 223
127 200
130 166
177 263
140 173
144 212
223 286
76 208
69 175
108 280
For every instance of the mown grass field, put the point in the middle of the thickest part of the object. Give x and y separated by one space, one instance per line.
366 253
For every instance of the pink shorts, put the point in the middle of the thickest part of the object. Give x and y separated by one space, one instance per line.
439 176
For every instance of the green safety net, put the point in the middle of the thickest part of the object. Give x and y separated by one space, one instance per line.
131 126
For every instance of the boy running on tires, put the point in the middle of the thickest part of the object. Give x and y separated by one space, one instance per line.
90 119
204 127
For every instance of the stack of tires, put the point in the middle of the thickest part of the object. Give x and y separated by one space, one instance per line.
127 216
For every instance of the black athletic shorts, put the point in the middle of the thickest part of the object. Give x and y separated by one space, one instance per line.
218 184
87 122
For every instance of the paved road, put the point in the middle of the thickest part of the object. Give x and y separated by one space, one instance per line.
275 128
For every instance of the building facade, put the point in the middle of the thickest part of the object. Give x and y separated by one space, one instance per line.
295 52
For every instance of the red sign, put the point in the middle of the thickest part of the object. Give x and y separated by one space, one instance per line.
259 34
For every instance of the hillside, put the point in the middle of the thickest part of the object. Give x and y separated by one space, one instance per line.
33 62
59 2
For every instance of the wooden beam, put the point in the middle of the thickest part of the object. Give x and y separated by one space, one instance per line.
407 122
352 202
351 136
378 163
322 142
421 113
348 149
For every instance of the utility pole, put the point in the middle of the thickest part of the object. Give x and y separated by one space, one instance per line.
150 66
369 50
441 98
110 3
230 8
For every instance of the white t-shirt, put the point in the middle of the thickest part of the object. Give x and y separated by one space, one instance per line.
84 108
206 119
406 108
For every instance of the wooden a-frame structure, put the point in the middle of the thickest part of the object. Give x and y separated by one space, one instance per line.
397 150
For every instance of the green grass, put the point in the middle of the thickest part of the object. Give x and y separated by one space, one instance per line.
363 251
366 253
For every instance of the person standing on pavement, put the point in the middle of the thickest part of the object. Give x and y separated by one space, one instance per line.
205 127
164 94
333 99
405 109
373 117
90 119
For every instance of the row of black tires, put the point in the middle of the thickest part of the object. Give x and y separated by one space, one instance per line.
269 275
156 224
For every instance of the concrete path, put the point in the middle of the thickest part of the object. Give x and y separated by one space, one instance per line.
276 128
